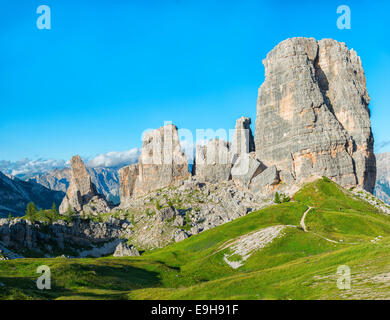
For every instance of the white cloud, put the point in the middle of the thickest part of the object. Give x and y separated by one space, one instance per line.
115 159
27 166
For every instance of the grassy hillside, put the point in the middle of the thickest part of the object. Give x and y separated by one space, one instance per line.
340 230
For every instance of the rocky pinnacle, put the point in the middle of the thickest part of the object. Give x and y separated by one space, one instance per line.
312 114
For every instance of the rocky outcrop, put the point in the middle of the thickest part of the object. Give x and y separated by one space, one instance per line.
162 162
213 162
189 207
128 177
312 114
125 250
63 238
243 141
82 191
246 167
220 161
266 181
382 188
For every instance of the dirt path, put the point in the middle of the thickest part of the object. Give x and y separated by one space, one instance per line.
302 223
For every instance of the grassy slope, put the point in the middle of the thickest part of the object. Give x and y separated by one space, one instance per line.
299 265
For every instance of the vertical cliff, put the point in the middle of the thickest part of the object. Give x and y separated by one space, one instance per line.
312 114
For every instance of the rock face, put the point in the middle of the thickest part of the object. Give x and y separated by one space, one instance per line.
245 168
312 114
61 237
161 163
81 190
243 141
382 188
265 181
128 177
125 250
212 162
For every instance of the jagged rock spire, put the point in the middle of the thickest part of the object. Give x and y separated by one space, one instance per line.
312 114
81 190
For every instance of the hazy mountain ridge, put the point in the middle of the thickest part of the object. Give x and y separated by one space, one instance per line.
15 194
106 181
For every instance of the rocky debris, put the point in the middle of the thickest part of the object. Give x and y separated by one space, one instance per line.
161 163
376 202
54 239
312 114
266 181
243 141
15 194
245 168
128 177
246 245
382 188
81 190
125 250
186 208
212 162
96 205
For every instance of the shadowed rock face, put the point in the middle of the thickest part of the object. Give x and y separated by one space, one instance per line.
81 190
312 114
127 176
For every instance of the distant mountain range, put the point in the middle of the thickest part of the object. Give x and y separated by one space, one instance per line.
106 181
15 194
44 188
47 188
382 189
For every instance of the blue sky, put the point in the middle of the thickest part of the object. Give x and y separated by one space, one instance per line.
108 70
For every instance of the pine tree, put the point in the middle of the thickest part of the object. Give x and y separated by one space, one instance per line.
54 208
277 198
31 211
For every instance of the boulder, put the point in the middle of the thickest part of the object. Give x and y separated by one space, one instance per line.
264 182
245 168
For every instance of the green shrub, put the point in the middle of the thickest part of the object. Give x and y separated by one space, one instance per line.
277 198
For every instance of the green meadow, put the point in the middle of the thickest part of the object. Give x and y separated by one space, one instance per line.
341 230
